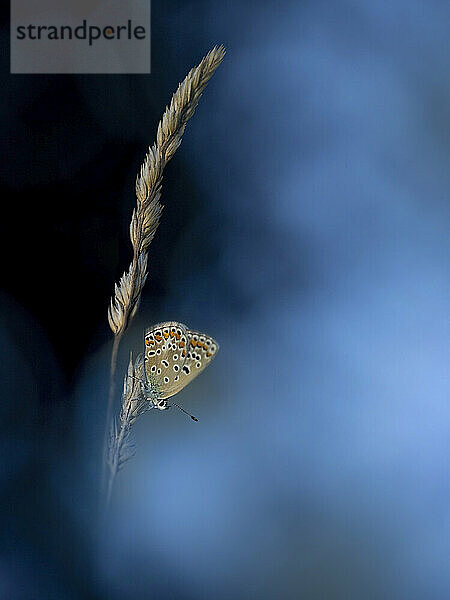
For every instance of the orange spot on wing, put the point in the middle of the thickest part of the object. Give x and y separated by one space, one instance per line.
193 343
147 342
166 335
183 353
181 344
208 354
158 337
178 336
172 333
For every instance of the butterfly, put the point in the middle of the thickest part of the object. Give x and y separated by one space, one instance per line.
174 356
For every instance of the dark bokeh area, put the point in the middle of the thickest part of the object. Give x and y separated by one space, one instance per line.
306 228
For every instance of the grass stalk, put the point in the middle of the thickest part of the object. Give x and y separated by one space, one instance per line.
144 223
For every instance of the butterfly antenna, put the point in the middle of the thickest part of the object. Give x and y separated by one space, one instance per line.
185 411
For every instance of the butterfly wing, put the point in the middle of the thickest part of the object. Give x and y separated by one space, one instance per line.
201 350
174 356
166 347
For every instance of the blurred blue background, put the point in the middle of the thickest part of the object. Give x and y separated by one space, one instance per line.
306 229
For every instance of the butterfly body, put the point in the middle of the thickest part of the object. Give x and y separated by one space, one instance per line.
174 356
